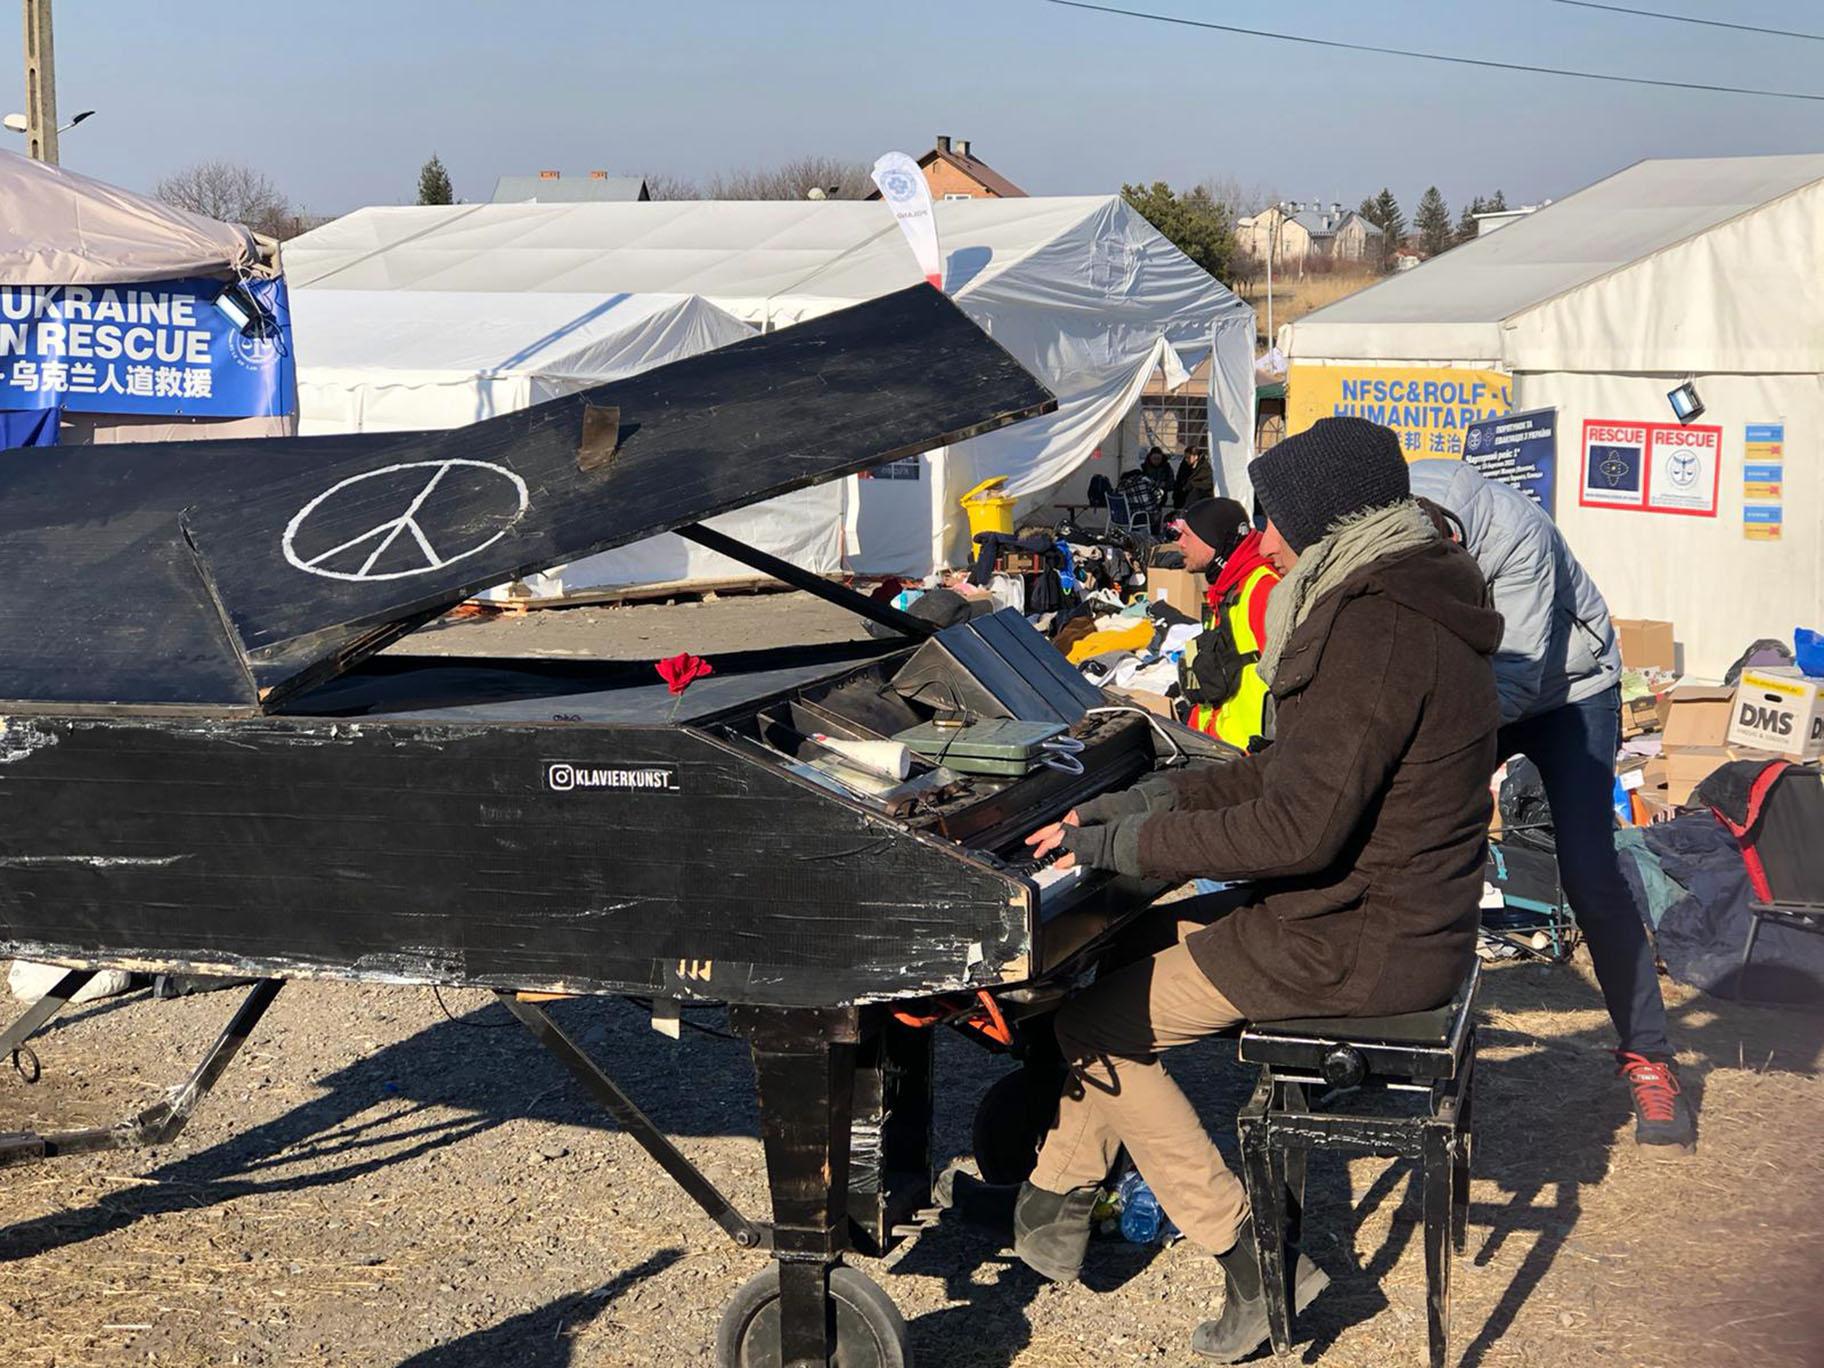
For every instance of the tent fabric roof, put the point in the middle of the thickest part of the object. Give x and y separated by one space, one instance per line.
569 189
782 259
1455 305
61 228
459 335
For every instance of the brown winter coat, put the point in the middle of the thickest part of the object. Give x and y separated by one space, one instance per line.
1361 829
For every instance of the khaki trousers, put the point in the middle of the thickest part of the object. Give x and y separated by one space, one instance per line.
1119 1093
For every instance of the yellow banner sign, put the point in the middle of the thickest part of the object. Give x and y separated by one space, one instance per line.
1431 407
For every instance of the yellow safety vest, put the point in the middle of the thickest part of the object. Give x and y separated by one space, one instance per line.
1242 717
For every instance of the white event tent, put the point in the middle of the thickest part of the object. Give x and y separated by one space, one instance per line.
1083 291
1599 305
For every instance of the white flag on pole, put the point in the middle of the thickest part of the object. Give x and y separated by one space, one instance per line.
902 186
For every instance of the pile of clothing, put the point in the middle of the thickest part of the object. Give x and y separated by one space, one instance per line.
1126 646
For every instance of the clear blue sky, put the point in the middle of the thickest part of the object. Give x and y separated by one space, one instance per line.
340 102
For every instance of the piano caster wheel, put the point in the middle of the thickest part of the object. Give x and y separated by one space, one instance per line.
1012 1119
870 1332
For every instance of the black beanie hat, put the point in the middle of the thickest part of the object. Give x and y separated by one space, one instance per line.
1333 469
1220 522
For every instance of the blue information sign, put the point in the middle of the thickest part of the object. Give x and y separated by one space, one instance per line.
162 348
1518 449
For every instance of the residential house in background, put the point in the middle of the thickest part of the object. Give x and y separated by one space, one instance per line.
1333 231
553 187
954 172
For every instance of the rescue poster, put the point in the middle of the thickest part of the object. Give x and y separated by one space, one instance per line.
1432 408
1614 464
1651 467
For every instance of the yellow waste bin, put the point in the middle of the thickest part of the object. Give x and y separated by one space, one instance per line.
987 510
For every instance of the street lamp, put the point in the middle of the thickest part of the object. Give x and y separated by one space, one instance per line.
1281 212
17 122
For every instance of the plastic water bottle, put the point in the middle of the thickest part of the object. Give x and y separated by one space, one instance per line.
1143 1220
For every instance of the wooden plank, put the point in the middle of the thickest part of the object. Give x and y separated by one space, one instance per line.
328 565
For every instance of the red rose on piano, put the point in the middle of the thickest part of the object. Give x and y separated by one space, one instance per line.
680 670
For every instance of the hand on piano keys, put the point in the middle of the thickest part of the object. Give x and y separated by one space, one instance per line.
1047 839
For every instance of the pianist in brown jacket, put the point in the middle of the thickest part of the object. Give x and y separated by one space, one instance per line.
1358 836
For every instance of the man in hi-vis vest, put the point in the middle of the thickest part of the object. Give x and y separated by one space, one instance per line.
1217 674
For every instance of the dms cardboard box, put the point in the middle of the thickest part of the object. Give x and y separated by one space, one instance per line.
1180 588
1779 710
1646 644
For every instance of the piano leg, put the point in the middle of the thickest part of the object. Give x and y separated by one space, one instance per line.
804 1069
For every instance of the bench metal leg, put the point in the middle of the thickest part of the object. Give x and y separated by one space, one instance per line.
1437 1181
1292 1164
1265 1183
1465 1148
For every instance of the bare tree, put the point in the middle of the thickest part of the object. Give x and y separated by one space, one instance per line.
663 185
1237 199
229 192
795 179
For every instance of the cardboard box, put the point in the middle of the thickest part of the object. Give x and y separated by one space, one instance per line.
1646 644
1180 588
1689 767
1639 715
1696 715
1779 710
1152 702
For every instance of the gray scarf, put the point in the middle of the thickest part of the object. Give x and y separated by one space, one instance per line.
1354 542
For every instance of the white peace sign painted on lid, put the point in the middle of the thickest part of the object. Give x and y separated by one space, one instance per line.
358 558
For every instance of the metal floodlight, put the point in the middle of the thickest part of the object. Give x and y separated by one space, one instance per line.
1686 406
16 122
241 309
86 114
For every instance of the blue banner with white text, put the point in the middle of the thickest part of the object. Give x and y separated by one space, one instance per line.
1518 449
161 348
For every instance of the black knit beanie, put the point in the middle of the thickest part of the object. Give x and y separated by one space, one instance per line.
1335 468
1222 523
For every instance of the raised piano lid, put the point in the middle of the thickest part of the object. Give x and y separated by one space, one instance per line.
230 575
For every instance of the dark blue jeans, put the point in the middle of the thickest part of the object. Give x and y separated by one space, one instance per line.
1574 748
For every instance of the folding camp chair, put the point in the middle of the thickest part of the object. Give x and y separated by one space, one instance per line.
1780 848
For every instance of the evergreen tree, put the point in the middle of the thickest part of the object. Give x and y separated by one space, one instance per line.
1383 211
1432 223
1498 203
1466 223
434 183
1194 221
1392 220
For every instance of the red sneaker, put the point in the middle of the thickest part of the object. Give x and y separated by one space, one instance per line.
1662 1120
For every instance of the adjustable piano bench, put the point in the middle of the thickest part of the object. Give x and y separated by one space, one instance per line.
1372 1062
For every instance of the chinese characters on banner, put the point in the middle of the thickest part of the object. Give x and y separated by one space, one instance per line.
161 349
1652 467
1521 451
1764 481
1430 407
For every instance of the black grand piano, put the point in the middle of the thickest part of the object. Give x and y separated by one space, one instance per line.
207 766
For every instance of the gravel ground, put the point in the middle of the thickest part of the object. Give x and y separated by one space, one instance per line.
376 1184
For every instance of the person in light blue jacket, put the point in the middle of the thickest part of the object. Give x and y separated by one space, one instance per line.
1558 674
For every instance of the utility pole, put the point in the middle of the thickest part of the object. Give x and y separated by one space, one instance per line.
40 84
